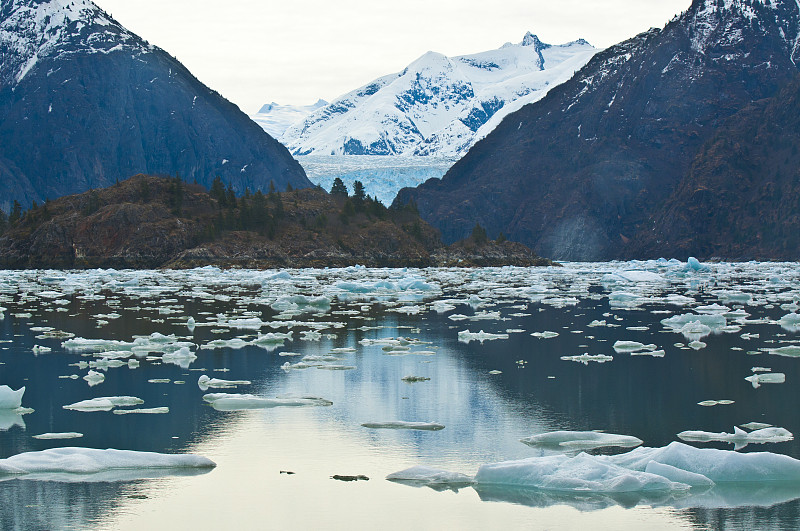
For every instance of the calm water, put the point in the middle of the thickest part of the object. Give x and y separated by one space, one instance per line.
485 415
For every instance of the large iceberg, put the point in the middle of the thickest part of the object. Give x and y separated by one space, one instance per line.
580 440
10 399
75 464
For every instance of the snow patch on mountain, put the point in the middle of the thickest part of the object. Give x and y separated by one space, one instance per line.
275 118
32 29
438 105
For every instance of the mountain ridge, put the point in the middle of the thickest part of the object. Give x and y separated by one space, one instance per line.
84 103
577 174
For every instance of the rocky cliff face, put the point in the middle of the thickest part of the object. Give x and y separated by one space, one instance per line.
580 173
84 103
741 197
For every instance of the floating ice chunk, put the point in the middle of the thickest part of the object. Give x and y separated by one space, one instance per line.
789 351
596 323
426 476
697 345
10 399
693 264
39 349
104 403
756 425
252 323
191 324
678 300
465 336
761 369
94 378
766 378
739 437
651 353
402 425
236 402
545 335
581 440
143 411
585 358
495 372
235 343
182 357
635 276
580 474
712 403
678 475
204 382
720 466
713 309
310 335
105 364
790 322
57 436
85 461
633 346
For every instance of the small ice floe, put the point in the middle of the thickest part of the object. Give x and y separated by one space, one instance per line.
695 326
191 324
697 345
739 437
39 349
495 372
465 336
651 353
10 399
336 367
712 403
142 411
585 358
183 357
89 464
237 402
790 322
58 436
105 364
789 351
580 440
766 378
755 426
761 369
633 346
94 378
424 476
545 335
204 383
403 425
414 379
693 264
597 323
104 403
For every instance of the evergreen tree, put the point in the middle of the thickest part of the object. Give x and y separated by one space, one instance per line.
479 234
218 191
16 213
338 188
359 195
230 197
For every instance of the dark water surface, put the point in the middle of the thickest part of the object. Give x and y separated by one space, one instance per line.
652 398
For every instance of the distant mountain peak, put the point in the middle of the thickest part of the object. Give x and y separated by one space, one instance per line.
532 40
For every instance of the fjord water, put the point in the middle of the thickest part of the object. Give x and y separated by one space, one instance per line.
484 414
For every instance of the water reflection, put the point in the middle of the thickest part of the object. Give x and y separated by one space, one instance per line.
485 414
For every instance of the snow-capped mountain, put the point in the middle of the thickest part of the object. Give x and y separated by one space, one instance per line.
438 105
580 174
275 118
84 102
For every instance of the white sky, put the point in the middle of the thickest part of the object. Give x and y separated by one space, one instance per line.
296 51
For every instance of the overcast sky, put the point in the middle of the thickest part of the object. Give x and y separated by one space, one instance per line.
296 51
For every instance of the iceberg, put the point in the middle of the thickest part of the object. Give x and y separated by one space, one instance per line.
81 462
430 477
10 399
581 474
580 440
238 402
585 358
104 403
94 378
204 382
633 346
465 336
739 437
58 436
402 425
766 378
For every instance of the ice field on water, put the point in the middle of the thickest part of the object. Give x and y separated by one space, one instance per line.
618 395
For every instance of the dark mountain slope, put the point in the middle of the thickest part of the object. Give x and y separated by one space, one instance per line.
741 198
578 173
84 103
